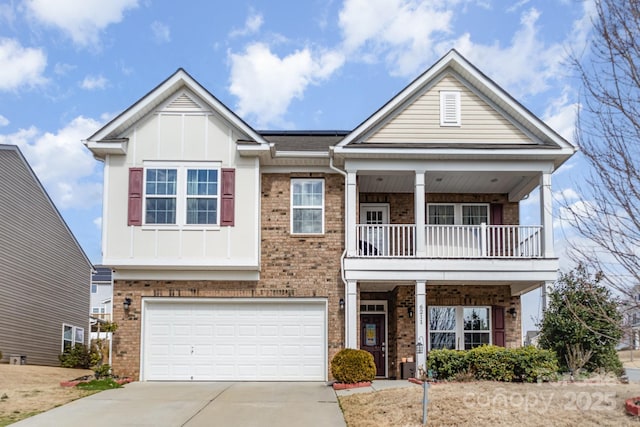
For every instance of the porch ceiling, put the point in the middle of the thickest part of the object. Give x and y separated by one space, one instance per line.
448 182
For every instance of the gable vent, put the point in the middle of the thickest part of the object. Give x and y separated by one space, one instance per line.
183 103
450 108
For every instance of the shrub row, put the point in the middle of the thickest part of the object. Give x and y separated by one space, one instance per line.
489 362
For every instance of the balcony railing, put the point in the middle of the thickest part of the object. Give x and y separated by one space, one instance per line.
450 241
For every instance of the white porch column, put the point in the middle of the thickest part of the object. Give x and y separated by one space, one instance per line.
546 290
546 215
421 325
419 208
350 213
351 315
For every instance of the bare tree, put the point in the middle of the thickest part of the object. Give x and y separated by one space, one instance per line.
608 134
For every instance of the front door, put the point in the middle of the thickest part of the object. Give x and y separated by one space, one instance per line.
372 338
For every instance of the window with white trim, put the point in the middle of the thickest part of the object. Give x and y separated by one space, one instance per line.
457 213
307 206
94 288
450 108
98 310
457 327
71 335
187 194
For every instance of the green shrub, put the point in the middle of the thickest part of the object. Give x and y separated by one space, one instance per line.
353 366
445 364
534 364
102 371
492 363
78 356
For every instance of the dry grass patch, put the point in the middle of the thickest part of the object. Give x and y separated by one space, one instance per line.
495 404
625 358
26 390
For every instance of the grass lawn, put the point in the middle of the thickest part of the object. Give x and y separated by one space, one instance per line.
495 404
27 390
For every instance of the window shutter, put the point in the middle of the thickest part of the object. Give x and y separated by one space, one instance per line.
498 326
496 214
227 202
135 196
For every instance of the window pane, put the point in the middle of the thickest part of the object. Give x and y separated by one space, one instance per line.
307 221
202 211
79 335
160 211
476 319
161 181
440 340
68 333
307 193
202 182
94 289
475 339
442 318
441 214
474 215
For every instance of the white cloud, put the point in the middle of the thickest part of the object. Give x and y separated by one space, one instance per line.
161 32
65 167
265 84
3 121
98 222
94 82
561 115
402 31
81 20
251 26
62 69
20 66
526 66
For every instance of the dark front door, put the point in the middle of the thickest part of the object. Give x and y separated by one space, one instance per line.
372 337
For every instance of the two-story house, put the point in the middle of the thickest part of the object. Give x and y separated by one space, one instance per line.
251 255
101 293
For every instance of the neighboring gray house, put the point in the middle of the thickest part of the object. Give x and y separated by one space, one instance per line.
44 273
101 293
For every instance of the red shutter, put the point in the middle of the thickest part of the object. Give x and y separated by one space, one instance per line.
135 196
227 202
496 214
498 326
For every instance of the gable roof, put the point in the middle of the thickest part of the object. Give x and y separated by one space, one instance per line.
466 72
107 140
18 154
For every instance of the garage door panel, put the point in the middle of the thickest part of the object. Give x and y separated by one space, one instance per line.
249 340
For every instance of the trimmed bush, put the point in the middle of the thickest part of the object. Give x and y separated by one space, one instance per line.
492 363
534 364
446 364
351 366
78 356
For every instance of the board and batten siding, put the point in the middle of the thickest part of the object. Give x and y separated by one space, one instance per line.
419 122
171 136
44 275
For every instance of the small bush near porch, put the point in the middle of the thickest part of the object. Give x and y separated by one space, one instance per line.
492 363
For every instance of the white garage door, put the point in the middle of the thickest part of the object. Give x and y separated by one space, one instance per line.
207 340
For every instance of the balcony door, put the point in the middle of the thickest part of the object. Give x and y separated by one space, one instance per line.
374 240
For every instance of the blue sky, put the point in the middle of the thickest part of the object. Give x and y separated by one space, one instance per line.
68 66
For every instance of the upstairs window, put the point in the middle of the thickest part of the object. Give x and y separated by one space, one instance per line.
307 206
457 213
450 108
182 195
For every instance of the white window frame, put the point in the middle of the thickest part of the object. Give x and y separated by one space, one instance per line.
457 211
446 116
292 207
459 329
75 330
181 194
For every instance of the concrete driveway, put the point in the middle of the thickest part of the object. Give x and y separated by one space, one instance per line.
197 404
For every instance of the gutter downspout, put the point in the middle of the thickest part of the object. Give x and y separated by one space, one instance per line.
344 252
